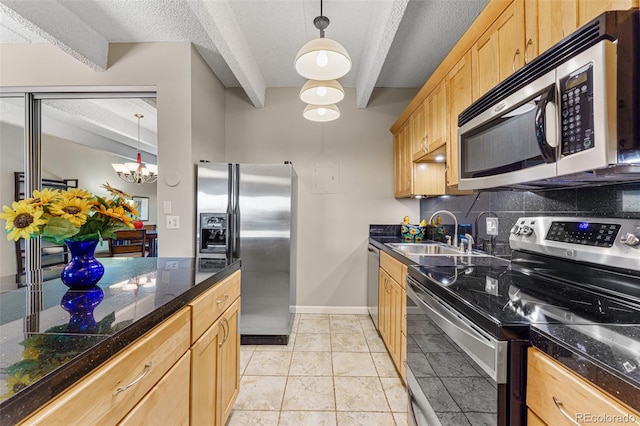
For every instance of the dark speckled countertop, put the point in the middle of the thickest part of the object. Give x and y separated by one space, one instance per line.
605 355
45 349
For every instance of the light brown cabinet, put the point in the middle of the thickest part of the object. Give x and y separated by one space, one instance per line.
499 52
392 307
111 391
589 9
555 394
436 110
459 90
215 354
418 123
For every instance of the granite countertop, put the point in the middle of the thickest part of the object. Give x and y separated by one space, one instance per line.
606 355
52 336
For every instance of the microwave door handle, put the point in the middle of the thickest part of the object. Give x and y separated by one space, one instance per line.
547 151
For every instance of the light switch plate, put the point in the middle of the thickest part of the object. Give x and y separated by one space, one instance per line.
492 225
173 222
166 207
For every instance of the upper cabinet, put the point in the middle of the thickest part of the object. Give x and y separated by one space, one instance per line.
459 90
505 36
499 52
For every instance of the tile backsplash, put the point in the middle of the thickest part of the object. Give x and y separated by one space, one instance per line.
605 201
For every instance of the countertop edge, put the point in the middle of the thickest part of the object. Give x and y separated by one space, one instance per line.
609 381
44 390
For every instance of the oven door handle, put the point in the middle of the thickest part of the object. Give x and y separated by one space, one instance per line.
489 353
544 129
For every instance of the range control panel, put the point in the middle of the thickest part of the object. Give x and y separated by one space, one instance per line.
613 242
585 233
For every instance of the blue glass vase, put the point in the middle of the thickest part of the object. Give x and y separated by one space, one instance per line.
84 270
80 305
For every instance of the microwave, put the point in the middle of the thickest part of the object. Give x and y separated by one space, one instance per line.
571 117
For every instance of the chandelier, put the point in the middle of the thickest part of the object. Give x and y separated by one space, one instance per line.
137 172
322 61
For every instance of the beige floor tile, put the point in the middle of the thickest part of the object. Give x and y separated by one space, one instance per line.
401 419
365 418
395 392
309 393
245 357
353 364
307 418
360 394
254 418
260 393
315 342
384 364
311 364
319 325
345 324
375 342
351 342
314 316
264 363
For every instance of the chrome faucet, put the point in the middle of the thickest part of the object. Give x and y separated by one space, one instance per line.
470 242
455 220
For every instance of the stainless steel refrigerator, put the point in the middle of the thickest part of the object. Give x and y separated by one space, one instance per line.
248 212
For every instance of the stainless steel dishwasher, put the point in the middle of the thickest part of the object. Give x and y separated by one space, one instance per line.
372 283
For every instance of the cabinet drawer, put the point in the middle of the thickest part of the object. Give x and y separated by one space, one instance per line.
396 270
106 395
549 384
206 309
168 402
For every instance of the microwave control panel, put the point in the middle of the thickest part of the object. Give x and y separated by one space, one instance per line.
576 97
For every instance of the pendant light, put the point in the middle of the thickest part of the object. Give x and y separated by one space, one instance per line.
318 92
322 58
137 172
321 112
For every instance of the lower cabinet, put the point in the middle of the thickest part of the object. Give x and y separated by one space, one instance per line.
392 309
169 376
558 396
215 354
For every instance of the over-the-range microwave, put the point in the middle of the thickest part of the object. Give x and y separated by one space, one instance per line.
570 117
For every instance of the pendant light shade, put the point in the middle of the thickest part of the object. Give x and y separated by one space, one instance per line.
322 59
318 92
321 112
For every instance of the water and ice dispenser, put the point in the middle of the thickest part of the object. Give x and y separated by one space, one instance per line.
213 233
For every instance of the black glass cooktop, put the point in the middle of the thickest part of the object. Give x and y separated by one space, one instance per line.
505 298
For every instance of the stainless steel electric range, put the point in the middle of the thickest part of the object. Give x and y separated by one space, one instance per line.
468 317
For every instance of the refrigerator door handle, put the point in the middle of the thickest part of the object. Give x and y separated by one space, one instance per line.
230 229
236 212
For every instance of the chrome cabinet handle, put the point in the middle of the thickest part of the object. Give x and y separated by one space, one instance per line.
226 332
513 63
564 413
224 299
147 368
526 49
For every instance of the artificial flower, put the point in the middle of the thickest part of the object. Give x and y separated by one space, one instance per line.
23 220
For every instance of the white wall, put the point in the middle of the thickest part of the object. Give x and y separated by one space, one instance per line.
332 228
168 67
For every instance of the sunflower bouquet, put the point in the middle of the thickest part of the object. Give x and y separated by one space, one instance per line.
72 214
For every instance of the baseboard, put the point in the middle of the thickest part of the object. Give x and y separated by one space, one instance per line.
345 310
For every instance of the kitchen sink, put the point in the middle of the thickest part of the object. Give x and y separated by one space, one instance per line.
424 249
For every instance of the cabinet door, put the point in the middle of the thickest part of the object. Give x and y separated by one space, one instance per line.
229 362
459 95
205 376
383 305
437 118
418 132
167 402
590 9
403 162
499 52
395 321
546 23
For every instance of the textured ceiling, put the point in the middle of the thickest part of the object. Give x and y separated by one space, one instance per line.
252 43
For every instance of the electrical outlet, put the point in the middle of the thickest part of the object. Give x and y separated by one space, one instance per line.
492 225
172 264
173 222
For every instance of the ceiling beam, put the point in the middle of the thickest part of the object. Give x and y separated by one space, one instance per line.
57 25
218 20
389 16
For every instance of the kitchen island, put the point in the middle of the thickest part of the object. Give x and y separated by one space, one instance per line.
52 337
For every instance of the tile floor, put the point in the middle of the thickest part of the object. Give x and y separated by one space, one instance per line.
334 371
